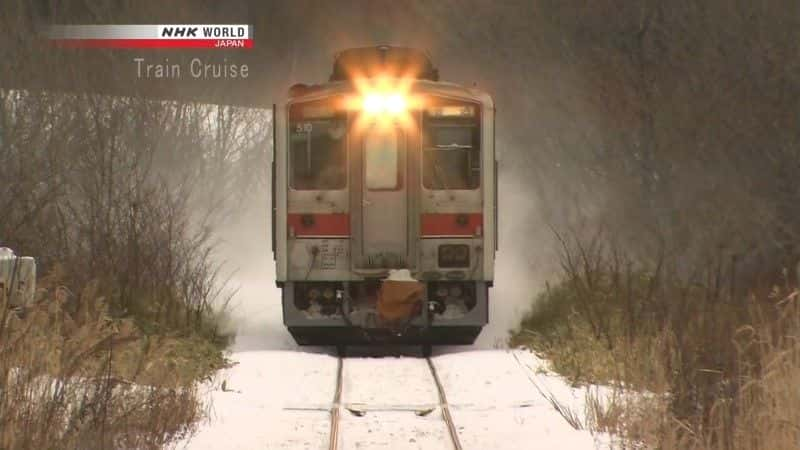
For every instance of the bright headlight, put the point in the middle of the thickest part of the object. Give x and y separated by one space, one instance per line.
395 104
380 103
373 103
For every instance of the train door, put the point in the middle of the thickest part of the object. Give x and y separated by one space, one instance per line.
381 200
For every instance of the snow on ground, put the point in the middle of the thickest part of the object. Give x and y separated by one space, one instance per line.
256 411
279 399
496 406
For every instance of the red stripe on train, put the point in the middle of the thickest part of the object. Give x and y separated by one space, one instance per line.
451 224
336 224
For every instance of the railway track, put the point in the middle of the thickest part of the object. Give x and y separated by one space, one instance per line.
448 418
336 407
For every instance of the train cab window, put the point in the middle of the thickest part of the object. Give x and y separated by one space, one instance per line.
382 160
318 157
451 155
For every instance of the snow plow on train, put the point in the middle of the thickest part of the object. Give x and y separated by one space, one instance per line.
384 204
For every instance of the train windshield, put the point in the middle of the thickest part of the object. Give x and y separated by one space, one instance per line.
317 147
451 154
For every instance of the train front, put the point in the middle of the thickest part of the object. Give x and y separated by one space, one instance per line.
384 204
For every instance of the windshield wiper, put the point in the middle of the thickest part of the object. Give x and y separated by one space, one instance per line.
437 171
455 146
308 149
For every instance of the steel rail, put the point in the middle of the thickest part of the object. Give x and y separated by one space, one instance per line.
448 418
336 407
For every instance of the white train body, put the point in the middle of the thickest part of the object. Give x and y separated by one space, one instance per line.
378 173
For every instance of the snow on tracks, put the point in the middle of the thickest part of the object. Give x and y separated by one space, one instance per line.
389 383
391 403
284 398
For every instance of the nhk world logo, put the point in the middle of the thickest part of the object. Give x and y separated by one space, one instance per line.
152 36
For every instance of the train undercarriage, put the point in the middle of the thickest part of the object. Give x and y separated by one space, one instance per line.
350 313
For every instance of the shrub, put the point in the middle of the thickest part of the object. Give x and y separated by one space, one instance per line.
125 191
715 360
62 384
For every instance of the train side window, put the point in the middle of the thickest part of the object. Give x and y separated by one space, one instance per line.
382 160
318 154
451 158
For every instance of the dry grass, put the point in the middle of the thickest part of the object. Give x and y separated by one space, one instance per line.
764 411
85 380
712 370
758 408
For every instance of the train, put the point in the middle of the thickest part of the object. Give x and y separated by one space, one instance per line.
384 204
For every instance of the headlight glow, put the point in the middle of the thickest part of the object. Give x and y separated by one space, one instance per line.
392 104
373 103
395 104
